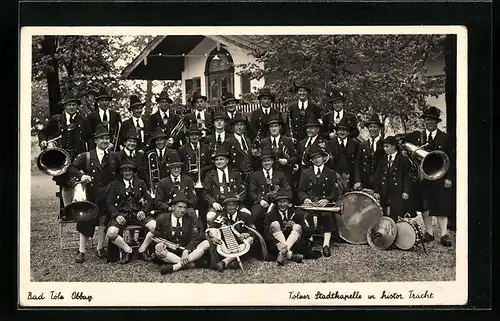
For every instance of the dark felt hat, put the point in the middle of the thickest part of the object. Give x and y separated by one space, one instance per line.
180 197
219 115
343 124
266 92
103 94
221 151
283 195
313 121
335 95
275 119
174 161
374 119
267 153
316 150
70 97
163 96
131 134
239 117
390 140
135 102
100 131
158 133
231 198
227 97
128 164
432 112
304 85
194 129
197 95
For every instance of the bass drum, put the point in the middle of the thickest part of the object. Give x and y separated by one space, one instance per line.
359 212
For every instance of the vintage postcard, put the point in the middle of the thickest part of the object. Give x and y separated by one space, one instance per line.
276 166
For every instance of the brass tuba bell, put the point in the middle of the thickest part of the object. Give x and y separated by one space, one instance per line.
80 210
431 165
53 160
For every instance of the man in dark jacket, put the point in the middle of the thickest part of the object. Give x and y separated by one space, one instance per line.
260 117
300 112
167 120
137 123
335 101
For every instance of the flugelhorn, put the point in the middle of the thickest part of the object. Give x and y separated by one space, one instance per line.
430 165
80 210
53 160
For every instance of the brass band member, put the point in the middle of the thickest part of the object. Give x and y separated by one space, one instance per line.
176 183
102 116
313 139
167 119
319 186
434 196
188 154
137 123
71 126
241 149
221 182
200 116
343 151
392 181
96 170
287 232
130 152
260 117
165 154
221 133
229 103
335 101
282 147
231 213
182 229
302 111
264 184
369 155
129 203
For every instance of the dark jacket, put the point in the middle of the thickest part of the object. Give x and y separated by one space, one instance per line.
173 119
191 234
209 123
166 191
303 152
238 158
366 163
116 198
259 188
342 158
298 120
329 124
129 125
139 160
93 119
213 190
285 144
259 120
73 137
188 158
326 186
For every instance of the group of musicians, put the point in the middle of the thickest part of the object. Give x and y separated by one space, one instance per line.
184 177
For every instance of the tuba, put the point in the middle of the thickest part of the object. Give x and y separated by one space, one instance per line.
80 210
154 172
429 165
53 160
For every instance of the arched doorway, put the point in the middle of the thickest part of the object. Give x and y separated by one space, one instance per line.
219 73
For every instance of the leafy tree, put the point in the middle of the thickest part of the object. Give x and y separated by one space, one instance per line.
376 73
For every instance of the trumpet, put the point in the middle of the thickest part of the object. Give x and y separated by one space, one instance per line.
256 146
154 172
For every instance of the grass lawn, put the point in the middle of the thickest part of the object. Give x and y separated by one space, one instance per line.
348 263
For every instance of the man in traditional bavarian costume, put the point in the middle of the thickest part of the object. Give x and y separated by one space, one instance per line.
168 188
433 197
369 155
264 184
241 149
221 182
392 181
229 103
302 111
313 139
260 117
166 119
70 125
200 116
221 132
188 152
319 186
165 154
287 232
137 123
102 116
129 203
130 152
182 230
96 169
335 101
282 147
232 212
342 150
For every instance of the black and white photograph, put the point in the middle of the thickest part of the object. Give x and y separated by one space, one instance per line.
279 165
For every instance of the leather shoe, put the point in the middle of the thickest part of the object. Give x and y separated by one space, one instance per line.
313 254
427 237
126 258
281 258
446 241
297 257
143 256
102 254
167 268
80 257
220 266
326 251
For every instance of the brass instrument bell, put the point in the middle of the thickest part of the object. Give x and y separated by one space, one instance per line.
80 210
432 165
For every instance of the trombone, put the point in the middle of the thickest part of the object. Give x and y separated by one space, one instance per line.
197 169
154 172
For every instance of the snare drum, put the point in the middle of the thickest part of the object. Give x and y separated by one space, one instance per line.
408 234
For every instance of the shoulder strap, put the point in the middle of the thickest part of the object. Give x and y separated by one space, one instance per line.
87 160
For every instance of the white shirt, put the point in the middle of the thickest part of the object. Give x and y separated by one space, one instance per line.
127 183
102 112
162 114
336 119
283 214
201 113
219 174
68 118
100 154
239 139
270 173
162 151
306 103
311 140
231 114
342 142
375 141
141 125
391 157
222 136
320 169
175 219
277 139
174 179
266 110
234 217
129 153
193 147
433 134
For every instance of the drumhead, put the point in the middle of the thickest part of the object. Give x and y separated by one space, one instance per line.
360 211
406 237
382 235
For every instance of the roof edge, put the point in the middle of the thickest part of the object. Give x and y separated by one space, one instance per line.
145 52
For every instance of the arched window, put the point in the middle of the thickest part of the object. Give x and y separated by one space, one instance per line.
219 73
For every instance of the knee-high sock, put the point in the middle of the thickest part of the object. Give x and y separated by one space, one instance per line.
228 260
280 237
120 242
292 238
146 242
443 225
193 256
101 235
326 238
171 258
83 243
428 222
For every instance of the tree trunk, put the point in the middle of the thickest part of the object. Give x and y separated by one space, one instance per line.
149 95
52 75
